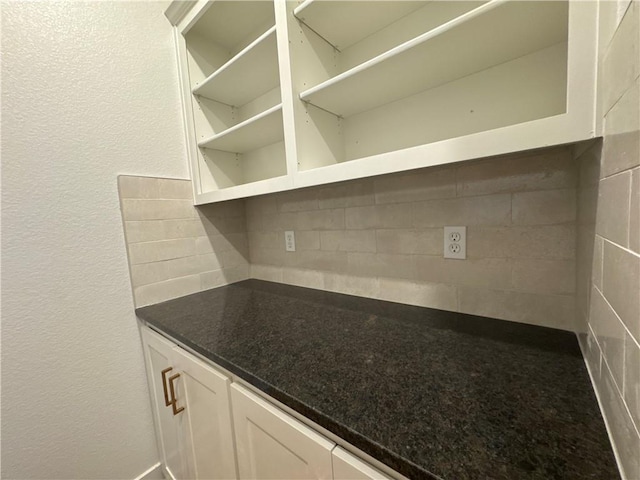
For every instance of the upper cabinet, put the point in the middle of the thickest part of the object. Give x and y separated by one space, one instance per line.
281 94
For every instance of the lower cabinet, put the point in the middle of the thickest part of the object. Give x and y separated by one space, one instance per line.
198 438
193 416
272 444
350 467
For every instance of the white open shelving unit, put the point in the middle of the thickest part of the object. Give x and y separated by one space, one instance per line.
283 94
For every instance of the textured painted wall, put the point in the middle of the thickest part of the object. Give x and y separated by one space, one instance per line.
89 91
610 308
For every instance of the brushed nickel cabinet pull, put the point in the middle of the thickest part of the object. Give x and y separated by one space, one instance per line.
174 400
164 372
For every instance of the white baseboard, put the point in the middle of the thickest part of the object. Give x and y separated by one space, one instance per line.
153 473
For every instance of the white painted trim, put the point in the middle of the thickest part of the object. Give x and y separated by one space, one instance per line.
600 406
152 472
178 9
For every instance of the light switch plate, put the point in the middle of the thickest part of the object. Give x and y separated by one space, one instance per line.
455 242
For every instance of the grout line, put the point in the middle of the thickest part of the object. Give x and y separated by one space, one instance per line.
620 247
150 470
621 172
617 316
630 208
621 396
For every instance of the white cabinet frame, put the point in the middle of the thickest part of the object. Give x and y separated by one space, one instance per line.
578 123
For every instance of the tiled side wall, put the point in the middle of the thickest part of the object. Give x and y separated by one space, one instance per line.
175 248
612 343
383 237
588 164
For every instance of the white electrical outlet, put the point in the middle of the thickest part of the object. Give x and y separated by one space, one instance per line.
289 241
455 242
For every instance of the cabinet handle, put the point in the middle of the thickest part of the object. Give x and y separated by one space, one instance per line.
164 372
174 401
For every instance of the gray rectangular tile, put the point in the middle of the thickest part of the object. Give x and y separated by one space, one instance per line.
486 210
356 193
138 187
144 230
625 437
381 265
298 200
545 170
555 311
632 377
621 148
162 250
173 188
610 334
485 272
160 292
621 284
620 66
554 241
423 294
427 241
333 219
352 285
378 216
544 276
544 208
416 186
634 212
348 240
613 208
143 209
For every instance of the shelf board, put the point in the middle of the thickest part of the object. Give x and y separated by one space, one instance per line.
545 132
260 187
251 73
491 34
258 131
343 23
228 22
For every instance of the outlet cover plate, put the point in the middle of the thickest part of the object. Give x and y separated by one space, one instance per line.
455 242
289 241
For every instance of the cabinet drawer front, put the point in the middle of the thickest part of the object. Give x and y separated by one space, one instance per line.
272 444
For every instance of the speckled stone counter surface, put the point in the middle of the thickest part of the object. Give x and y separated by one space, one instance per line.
429 393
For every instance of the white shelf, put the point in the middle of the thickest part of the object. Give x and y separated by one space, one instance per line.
251 73
409 84
260 187
555 130
343 23
258 131
491 34
227 23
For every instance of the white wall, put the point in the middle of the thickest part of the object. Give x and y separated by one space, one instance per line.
88 92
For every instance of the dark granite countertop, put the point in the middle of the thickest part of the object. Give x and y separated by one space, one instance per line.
427 392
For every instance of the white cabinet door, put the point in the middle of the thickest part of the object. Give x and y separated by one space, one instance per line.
273 445
159 360
205 424
350 467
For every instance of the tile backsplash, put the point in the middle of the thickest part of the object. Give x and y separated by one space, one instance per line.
608 268
383 237
174 248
